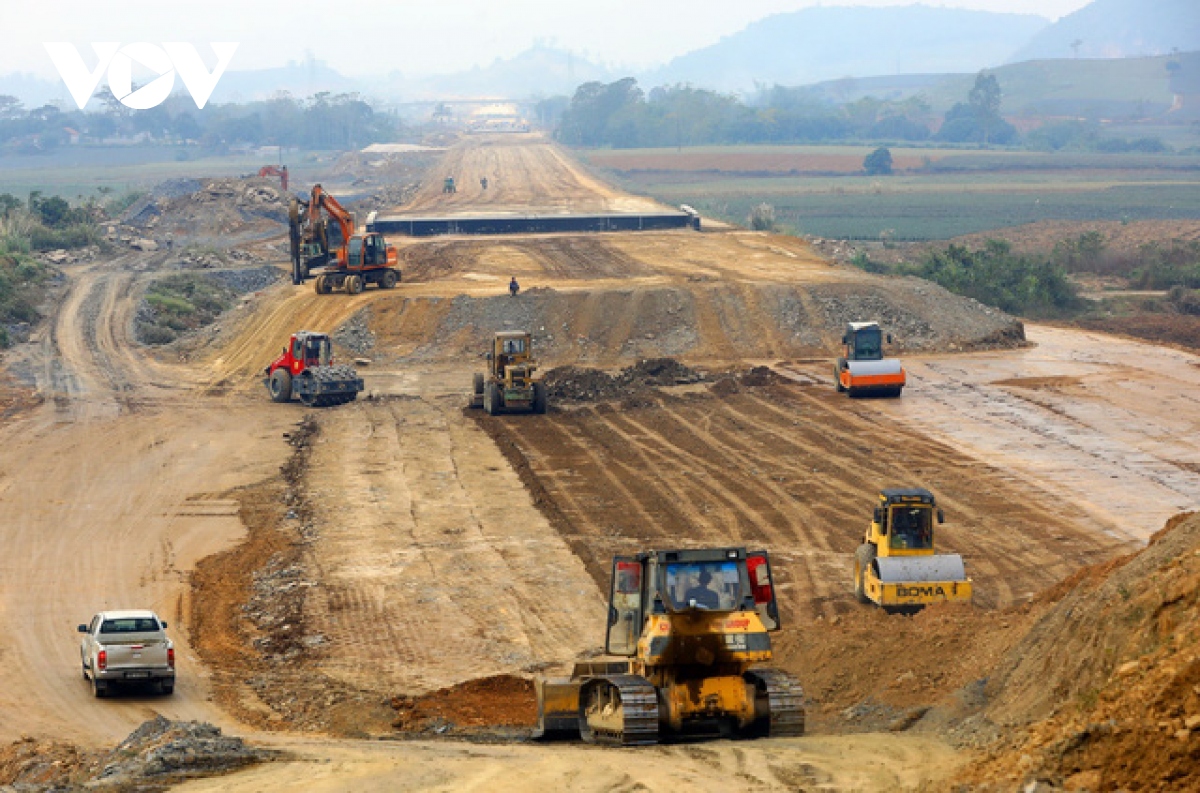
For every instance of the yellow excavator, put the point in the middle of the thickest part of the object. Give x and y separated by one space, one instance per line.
692 627
897 566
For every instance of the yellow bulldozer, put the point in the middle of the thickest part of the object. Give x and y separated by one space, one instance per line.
692 627
511 383
897 566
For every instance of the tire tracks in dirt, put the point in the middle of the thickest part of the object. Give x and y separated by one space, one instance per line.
434 566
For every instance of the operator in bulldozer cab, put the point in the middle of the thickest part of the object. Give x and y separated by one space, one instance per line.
911 529
700 595
706 586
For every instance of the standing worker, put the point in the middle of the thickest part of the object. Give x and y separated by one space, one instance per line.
513 286
483 183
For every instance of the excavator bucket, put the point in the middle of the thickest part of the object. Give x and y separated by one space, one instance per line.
914 581
558 707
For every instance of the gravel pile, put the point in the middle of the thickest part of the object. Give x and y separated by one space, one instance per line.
243 281
355 335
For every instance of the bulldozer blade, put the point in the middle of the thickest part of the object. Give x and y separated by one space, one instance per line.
558 708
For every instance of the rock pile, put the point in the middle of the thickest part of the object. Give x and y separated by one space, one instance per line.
220 211
156 756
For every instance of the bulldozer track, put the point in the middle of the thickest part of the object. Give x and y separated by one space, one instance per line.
785 698
639 711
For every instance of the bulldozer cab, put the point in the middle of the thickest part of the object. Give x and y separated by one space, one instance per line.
864 341
687 581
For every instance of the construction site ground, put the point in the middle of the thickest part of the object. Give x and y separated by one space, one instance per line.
400 567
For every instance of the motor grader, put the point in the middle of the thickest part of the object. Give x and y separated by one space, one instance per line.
350 260
306 369
897 566
862 370
511 383
692 627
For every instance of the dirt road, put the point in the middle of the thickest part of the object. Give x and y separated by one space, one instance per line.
437 556
863 762
525 172
109 492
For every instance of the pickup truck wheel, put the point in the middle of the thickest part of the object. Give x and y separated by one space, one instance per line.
99 689
166 689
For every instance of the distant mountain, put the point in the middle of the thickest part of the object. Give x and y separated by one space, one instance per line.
301 80
539 71
830 42
1118 29
34 91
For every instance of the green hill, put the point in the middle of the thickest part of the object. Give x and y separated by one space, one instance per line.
1102 88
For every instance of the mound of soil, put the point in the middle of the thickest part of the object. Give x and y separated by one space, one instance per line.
609 327
499 701
580 384
1113 672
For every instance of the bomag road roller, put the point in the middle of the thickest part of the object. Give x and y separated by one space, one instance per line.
897 566
862 370
692 627
511 383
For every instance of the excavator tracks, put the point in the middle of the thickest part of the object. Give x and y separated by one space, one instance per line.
621 710
785 702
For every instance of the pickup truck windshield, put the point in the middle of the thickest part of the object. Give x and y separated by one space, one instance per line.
130 625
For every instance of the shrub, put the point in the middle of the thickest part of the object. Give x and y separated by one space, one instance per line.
762 218
864 262
180 303
878 162
1165 267
996 276
1185 301
22 283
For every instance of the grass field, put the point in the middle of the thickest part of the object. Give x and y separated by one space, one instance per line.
935 194
76 172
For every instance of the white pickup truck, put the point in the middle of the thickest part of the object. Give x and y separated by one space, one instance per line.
127 647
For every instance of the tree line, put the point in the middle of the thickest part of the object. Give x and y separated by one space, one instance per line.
621 115
322 121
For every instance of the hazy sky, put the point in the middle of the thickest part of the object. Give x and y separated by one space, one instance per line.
412 36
